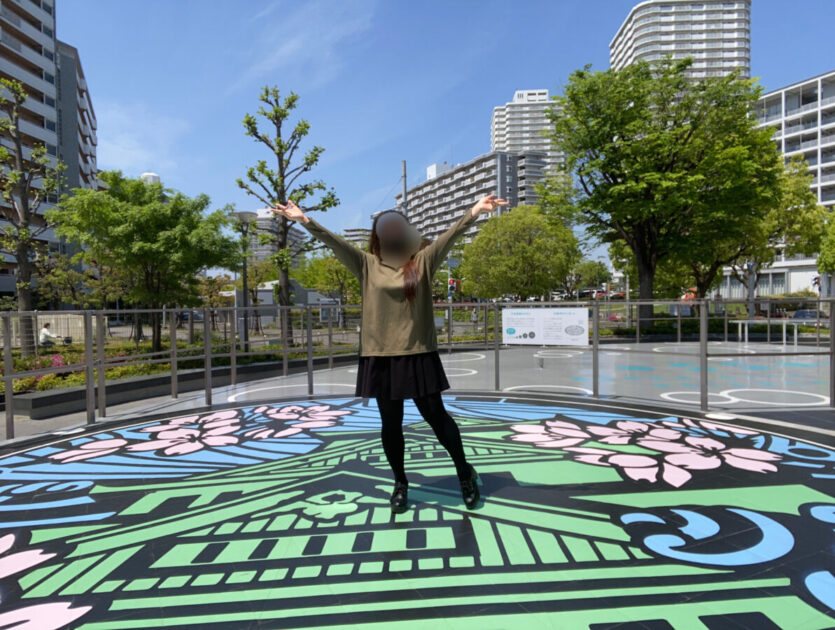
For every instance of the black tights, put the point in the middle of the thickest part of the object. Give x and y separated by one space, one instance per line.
432 409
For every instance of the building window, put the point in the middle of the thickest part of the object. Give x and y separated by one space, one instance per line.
46 30
50 124
48 100
49 78
51 149
47 7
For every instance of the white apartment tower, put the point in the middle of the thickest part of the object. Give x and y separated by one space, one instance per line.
803 115
715 33
522 125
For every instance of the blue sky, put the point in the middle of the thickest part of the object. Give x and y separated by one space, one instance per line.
379 80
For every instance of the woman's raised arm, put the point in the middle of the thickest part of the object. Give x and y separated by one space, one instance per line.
439 248
349 255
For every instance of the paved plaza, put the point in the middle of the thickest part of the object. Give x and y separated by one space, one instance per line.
274 514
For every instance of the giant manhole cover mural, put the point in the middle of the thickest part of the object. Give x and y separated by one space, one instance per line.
277 515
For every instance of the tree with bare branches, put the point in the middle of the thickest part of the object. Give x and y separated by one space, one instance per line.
287 180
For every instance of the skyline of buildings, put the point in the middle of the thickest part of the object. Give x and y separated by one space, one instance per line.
58 111
437 203
715 33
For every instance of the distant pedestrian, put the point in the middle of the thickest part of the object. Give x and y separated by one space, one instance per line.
45 338
474 317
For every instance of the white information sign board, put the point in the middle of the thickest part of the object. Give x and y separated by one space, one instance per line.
546 326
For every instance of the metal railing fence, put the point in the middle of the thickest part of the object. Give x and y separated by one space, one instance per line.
95 348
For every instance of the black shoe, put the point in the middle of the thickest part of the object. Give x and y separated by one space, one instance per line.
469 489
399 498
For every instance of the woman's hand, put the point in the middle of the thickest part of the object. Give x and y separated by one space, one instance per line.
291 211
488 203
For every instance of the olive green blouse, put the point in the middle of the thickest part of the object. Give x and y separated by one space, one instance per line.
391 325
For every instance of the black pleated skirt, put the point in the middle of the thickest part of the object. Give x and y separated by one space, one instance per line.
401 377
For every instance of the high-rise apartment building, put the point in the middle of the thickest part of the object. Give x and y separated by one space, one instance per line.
715 33
58 112
803 115
266 224
358 236
76 121
522 125
436 204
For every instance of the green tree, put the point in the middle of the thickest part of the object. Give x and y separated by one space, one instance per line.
60 280
672 278
283 182
159 240
656 154
211 290
519 252
593 273
330 277
29 176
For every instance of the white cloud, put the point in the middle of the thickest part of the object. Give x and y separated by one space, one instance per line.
134 139
306 40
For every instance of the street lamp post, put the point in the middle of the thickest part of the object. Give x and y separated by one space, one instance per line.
245 219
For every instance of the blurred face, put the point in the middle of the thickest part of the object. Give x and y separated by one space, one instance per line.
399 241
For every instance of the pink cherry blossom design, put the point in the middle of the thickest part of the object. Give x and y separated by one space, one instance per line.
181 441
625 431
313 417
314 412
552 434
50 616
20 561
699 453
96 448
637 467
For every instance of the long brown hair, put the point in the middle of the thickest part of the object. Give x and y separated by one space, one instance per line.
410 270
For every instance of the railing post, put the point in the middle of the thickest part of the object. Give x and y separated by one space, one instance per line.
486 318
101 390
768 322
331 313
233 347
595 351
207 357
496 341
638 322
703 383
831 354
8 370
678 322
191 326
725 312
449 330
172 342
284 315
818 323
309 322
88 367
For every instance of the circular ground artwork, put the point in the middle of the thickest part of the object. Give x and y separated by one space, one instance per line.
276 516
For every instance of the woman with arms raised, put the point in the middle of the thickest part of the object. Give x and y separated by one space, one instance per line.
398 344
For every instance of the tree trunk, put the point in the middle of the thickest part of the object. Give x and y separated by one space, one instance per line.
24 298
156 332
646 281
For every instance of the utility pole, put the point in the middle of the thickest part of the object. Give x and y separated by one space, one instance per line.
405 206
